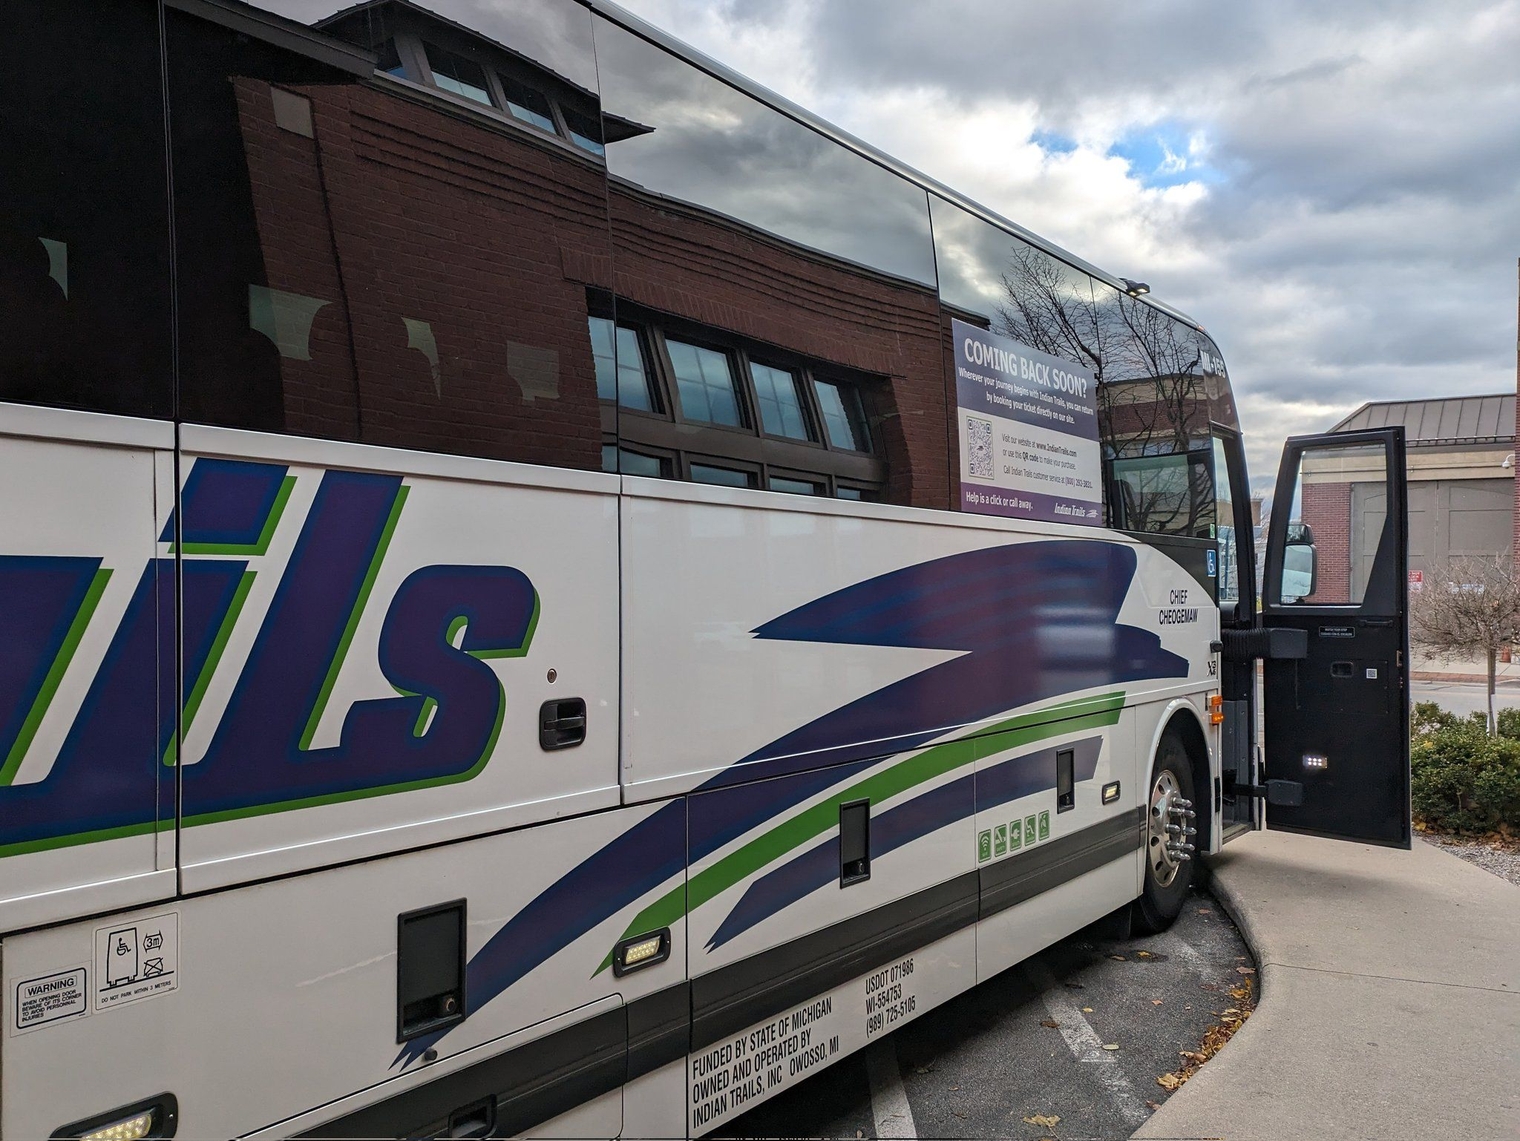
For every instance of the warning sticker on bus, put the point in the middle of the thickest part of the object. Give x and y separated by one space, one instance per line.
136 959
51 998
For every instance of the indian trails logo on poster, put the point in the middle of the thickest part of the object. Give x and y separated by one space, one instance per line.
1028 431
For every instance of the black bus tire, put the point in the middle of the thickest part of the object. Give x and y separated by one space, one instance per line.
1167 878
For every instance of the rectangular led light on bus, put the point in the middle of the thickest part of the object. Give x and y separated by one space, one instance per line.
641 951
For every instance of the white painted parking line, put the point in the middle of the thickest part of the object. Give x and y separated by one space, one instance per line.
889 1101
1086 1046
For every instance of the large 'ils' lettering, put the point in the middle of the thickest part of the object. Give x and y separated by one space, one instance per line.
114 773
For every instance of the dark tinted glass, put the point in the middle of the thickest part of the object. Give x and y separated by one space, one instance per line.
620 371
795 486
84 226
527 104
780 403
1017 289
1153 415
357 261
461 76
709 473
691 137
843 418
704 383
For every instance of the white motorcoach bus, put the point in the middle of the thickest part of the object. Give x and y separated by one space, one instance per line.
545 590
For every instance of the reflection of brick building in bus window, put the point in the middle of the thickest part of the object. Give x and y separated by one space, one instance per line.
369 260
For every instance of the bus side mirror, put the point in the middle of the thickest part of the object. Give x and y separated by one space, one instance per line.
1299 569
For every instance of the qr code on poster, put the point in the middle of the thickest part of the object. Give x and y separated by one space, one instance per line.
979 448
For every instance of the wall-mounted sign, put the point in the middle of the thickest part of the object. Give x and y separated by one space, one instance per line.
1028 430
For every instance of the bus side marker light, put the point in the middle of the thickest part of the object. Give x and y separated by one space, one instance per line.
149 1120
1216 710
1111 792
641 951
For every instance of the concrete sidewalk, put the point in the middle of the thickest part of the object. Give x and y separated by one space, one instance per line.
1390 999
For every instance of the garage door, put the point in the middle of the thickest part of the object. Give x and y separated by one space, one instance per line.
1448 518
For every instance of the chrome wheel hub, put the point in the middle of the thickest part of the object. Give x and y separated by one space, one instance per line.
1169 829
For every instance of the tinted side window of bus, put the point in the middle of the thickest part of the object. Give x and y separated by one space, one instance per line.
84 230
396 258
783 286
1154 411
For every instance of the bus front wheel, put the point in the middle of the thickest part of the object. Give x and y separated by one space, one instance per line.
1170 833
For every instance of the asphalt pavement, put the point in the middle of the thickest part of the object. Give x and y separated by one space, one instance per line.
1081 1033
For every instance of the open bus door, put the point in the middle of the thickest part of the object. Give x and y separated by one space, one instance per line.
1335 608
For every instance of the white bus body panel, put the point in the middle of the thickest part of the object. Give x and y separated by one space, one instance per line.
85 497
559 529
284 1000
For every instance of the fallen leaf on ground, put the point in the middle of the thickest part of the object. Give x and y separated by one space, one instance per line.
1204 911
1143 955
1050 1024
1087 1010
1155 1002
1118 958
1111 1046
924 1070
1153 1105
1170 1082
1208 986
1043 1121
958 1113
955 1087
1246 970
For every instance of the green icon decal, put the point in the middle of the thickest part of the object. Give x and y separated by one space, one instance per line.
1000 840
1029 829
1045 825
1015 835
984 846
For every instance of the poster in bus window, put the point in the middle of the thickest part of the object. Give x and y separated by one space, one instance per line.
1028 431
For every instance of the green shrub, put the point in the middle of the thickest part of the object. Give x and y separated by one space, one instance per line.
1509 722
1427 716
1461 778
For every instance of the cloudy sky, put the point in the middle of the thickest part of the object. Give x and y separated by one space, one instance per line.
1331 188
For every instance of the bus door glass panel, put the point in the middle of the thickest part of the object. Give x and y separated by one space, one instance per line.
1336 718
1237 666
362 261
86 590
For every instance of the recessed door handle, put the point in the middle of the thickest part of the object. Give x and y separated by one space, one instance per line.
562 724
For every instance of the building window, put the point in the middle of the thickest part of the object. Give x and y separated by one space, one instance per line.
780 402
727 477
843 417
628 462
720 409
528 105
461 76
585 130
390 60
794 486
705 384
620 370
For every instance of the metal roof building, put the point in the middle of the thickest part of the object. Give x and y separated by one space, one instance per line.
1448 421
1461 474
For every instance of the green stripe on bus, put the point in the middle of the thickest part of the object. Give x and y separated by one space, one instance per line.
935 761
